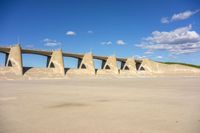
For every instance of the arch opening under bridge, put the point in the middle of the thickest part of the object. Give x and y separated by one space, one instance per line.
3 58
70 63
37 61
139 66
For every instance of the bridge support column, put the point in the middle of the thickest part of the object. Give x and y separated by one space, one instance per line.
128 67
85 66
56 61
14 60
109 66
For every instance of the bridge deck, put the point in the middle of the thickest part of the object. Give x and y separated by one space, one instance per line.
49 53
39 52
73 55
4 49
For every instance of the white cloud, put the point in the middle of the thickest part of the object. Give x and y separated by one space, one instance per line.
120 42
179 41
183 15
51 43
164 20
90 32
179 35
106 43
159 57
70 33
179 16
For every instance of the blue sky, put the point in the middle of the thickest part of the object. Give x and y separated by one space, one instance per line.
163 30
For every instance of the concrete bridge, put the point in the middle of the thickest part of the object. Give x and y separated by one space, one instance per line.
55 64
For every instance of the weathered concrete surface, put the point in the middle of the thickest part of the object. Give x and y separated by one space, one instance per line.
13 61
85 66
109 67
152 67
129 67
56 62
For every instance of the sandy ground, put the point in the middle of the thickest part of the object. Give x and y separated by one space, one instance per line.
137 105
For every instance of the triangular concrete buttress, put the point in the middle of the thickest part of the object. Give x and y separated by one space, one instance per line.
129 67
14 60
56 61
109 66
87 63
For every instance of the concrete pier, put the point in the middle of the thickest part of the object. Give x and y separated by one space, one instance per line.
128 67
109 66
14 60
85 66
56 62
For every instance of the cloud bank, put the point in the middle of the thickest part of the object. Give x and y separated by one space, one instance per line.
179 41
